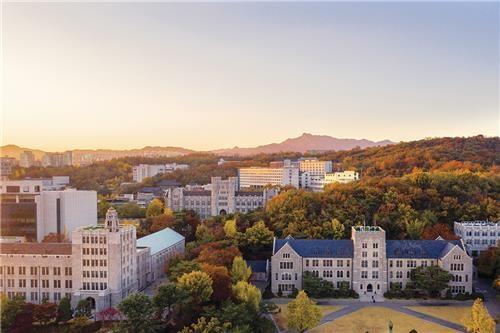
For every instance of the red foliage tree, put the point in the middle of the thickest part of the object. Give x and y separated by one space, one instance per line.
221 281
44 313
24 319
218 254
439 229
109 314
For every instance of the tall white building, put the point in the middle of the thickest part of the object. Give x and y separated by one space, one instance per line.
263 176
368 262
27 159
315 167
142 171
478 236
64 211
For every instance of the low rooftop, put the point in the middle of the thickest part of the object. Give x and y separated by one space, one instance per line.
36 248
160 240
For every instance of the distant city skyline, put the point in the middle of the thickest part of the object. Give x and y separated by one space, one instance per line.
207 76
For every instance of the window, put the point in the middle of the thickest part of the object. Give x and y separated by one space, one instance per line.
364 263
364 245
340 274
45 271
375 245
390 263
399 263
286 255
67 271
34 283
34 296
315 263
340 263
327 263
364 274
399 275
375 275
45 283
68 284
375 263
375 254
284 265
33 270
57 270
22 283
364 254
22 270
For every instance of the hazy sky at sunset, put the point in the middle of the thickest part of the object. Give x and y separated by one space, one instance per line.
204 76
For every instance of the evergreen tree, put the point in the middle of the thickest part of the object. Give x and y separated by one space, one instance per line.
64 312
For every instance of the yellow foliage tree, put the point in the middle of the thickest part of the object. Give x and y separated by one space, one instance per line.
479 320
303 313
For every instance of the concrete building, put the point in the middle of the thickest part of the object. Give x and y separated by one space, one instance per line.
64 211
142 171
222 198
33 186
478 236
27 159
264 176
341 177
368 262
102 264
315 167
57 160
6 164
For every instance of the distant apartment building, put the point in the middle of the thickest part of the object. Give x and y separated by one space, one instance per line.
142 171
315 167
27 159
6 164
478 236
103 264
57 160
368 263
223 197
341 177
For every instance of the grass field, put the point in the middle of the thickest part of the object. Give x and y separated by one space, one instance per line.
455 314
375 320
280 317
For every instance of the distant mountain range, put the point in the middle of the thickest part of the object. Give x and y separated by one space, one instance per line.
304 143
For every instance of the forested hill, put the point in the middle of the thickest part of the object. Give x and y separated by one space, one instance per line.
476 153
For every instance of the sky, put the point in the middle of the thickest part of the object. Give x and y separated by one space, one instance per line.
215 75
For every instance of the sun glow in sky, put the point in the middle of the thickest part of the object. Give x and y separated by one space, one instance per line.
206 76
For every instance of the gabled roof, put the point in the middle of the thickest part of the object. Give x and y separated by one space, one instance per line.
318 248
257 266
434 249
160 240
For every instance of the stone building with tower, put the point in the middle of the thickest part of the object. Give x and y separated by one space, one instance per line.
368 262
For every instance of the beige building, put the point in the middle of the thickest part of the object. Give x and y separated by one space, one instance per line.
220 197
273 176
103 264
368 262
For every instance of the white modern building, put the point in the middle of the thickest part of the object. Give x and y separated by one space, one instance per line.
62 212
478 236
103 264
315 167
33 186
341 177
221 197
368 262
57 159
264 176
142 171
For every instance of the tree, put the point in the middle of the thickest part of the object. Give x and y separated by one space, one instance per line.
439 229
488 263
338 229
24 319
169 298
138 311
183 266
108 314
161 222
83 309
256 238
479 320
317 287
10 308
303 313
218 254
64 312
230 228
155 208
45 313
247 293
198 284
414 228
207 326
131 210
221 281
204 234
240 270
432 279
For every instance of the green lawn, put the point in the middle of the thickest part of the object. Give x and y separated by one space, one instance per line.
455 314
280 317
375 320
